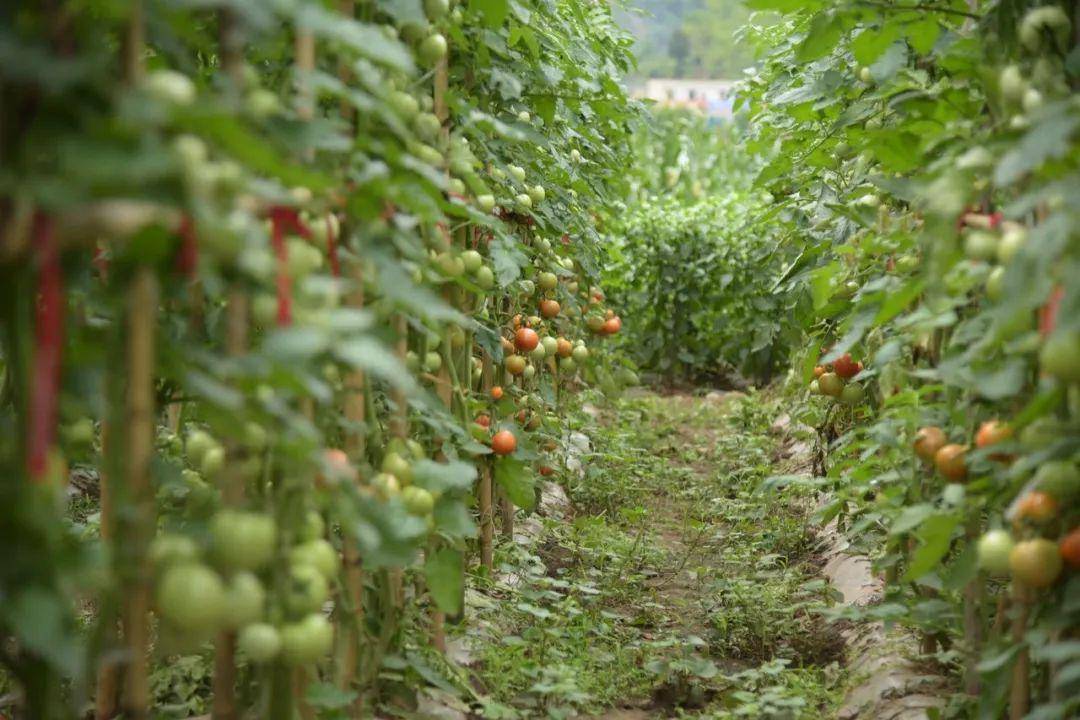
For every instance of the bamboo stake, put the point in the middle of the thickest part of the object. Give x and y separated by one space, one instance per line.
1020 692
142 317
973 596
108 674
487 516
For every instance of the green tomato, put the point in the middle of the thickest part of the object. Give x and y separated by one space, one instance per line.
547 281
537 193
396 464
433 362
318 553
517 172
427 126
995 284
169 86
418 501
485 278
524 201
168 549
981 245
1011 242
245 600
305 590
486 203
313 528
198 442
213 462
80 433
994 549
1060 356
852 394
432 49
529 373
436 9
306 641
259 642
580 354
473 261
1059 478
191 597
551 345
539 353
243 540
404 103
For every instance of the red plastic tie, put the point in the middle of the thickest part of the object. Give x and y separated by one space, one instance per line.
331 248
283 220
187 259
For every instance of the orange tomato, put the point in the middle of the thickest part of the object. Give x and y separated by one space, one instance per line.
928 441
951 461
503 442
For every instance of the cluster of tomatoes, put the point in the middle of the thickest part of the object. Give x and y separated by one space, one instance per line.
835 380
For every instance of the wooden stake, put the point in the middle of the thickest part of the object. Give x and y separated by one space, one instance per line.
142 320
487 515
973 595
108 674
1020 693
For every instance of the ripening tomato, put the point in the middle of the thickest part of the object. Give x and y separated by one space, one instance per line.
1036 563
928 441
515 364
992 432
1070 548
564 348
612 325
496 393
336 468
483 421
951 461
830 384
503 442
845 367
546 471
819 371
549 308
1035 506
526 339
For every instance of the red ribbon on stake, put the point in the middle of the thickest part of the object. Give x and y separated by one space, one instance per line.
284 219
48 346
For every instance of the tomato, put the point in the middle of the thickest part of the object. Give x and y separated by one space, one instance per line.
213 461
1058 478
496 393
242 540
245 600
951 461
386 485
852 394
507 346
313 528
845 367
548 281
167 550
319 554
1070 548
546 471
432 49
830 384
1035 506
551 346
612 325
595 323
306 589
819 371
1060 356
992 432
306 641
418 501
549 308
259 642
564 348
483 421
537 193
515 364
526 340
503 443
191 597
433 362
928 441
580 354
815 387
981 246
1036 563
397 466
196 445
336 468
994 549
473 260
995 284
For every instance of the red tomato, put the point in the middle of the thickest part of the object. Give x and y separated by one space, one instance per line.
503 443
951 461
526 339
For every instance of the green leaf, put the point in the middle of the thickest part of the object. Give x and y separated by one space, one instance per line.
445 574
515 477
923 34
935 535
1047 139
897 302
825 31
494 11
871 43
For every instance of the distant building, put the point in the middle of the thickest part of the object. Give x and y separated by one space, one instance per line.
712 97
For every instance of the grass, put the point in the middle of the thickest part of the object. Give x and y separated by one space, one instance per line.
679 587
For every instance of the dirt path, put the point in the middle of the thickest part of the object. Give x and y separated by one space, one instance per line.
677 586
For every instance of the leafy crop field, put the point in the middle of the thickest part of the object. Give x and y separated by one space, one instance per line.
384 358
